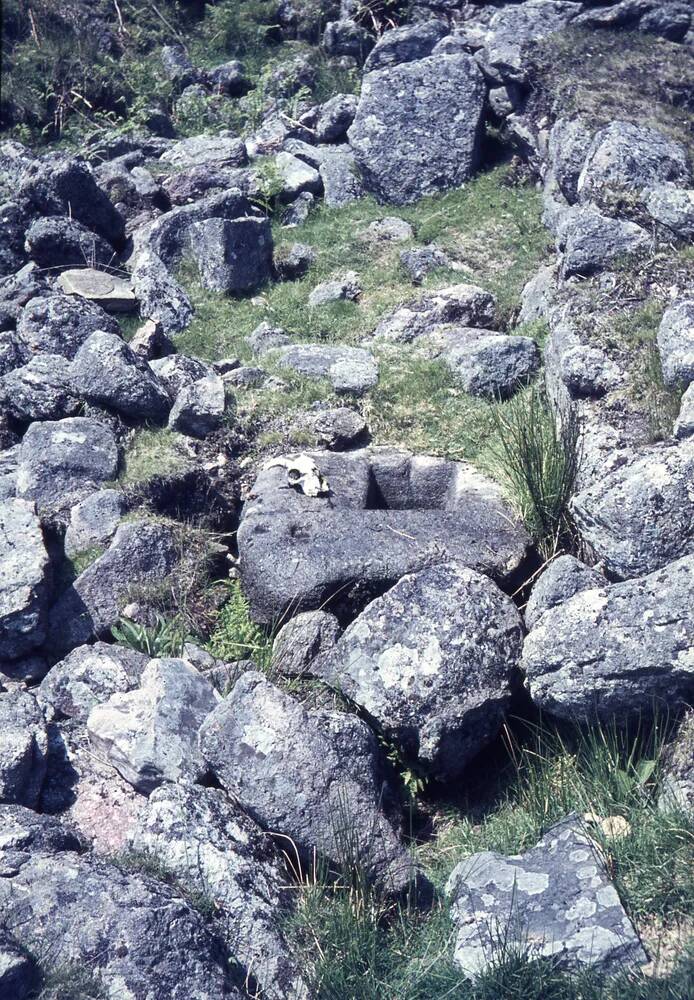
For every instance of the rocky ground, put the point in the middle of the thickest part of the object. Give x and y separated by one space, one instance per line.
347 500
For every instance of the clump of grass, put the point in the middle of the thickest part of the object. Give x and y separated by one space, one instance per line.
537 454
146 863
152 452
235 636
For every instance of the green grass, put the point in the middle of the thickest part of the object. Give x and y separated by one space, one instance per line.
152 451
357 947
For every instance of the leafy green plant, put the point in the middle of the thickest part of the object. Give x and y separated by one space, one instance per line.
164 638
537 454
235 635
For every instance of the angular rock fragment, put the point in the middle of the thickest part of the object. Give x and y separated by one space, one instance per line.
199 407
88 676
464 305
640 516
406 141
63 242
676 343
106 371
233 255
150 734
23 748
24 579
60 324
213 848
312 777
39 390
434 662
302 640
350 369
616 652
564 577
111 292
554 901
94 521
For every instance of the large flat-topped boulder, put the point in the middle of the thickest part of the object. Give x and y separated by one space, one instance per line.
384 513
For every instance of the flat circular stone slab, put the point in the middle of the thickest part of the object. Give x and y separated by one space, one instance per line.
111 292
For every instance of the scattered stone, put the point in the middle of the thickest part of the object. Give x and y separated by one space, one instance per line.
616 652
349 369
177 65
63 458
60 324
112 293
640 516
307 776
390 230
347 38
178 371
229 78
684 425
569 142
161 298
464 305
512 29
564 577
335 117
199 407
593 241
345 288
434 662
296 176
405 44
129 931
266 338
670 20
151 343
94 521
59 243
107 372
248 376
214 849
337 429
420 261
233 255
88 676
293 261
676 343
23 747
489 364
150 734
586 371
624 160
302 641
140 553
298 212
342 183
217 150
555 901
674 208
39 390
405 139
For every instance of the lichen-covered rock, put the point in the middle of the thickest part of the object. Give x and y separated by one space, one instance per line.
405 138
405 44
514 27
64 242
140 553
150 734
592 241
342 183
488 364
555 901
199 407
302 640
213 848
62 459
676 343
23 748
179 370
617 651
349 369
564 577
640 516
232 255
464 305
60 324
39 390
624 160
337 429
434 662
107 372
674 208
313 777
137 937
88 676
24 579
219 150
677 781
335 117
161 298
684 425
94 521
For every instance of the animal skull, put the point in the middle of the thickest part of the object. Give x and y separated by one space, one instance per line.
302 473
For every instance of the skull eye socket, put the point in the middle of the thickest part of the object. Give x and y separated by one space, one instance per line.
294 475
